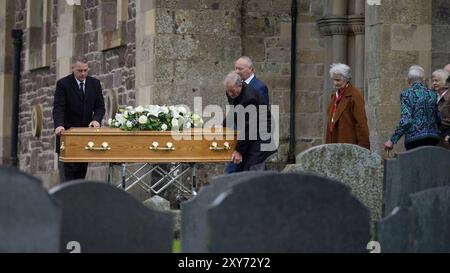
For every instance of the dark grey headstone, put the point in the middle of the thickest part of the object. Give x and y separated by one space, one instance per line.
193 211
395 233
288 213
432 220
30 219
103 218
413 171
357 167
422 228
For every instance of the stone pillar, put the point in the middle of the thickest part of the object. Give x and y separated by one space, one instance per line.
6 56
398 35
69 39
440 34
68 42
334 26
356 23
337 7
339 31
145 50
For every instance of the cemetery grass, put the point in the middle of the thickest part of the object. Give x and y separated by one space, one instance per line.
176 247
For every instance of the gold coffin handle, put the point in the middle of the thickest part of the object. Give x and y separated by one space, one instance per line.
62 147
91 147
155 147
215 147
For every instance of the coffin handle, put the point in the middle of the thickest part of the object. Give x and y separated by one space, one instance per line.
91 147
215 147
155 147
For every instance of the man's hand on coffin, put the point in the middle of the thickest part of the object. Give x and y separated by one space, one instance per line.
236 157
94 124
59 130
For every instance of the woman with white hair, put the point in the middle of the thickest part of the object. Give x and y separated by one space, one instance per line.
419 114
440 86
347 121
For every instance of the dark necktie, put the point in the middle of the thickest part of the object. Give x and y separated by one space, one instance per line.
82 90
82 87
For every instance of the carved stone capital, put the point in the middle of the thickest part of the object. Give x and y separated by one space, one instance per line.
356 23
333 25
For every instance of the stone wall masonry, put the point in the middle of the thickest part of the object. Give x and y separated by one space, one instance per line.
266 32
114 68
37 87
6 77
440 30
397 36
195 47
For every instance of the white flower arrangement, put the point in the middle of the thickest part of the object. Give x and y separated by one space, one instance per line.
155 118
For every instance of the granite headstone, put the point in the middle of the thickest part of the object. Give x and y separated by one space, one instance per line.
424 227
101 218
30 219
354 166
288 213
432 220
413 171
193 211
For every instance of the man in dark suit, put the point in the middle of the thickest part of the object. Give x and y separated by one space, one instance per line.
248 117
78 102
244 67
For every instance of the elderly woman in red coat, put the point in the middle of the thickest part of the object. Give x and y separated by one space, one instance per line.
347 121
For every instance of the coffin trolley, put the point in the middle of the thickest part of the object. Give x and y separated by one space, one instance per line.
151 149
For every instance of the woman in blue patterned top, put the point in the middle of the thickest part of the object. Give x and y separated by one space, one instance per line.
419 114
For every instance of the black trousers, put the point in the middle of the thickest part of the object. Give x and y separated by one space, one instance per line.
72 171
422 142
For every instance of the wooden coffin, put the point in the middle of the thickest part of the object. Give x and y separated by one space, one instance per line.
115 145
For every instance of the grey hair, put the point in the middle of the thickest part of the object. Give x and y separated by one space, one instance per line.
416 73
447 68
341 69
232 78
248 61
441 74
79 59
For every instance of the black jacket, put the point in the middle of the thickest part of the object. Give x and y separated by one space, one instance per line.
254 130
73 109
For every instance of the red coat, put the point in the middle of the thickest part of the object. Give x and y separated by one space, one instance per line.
350 122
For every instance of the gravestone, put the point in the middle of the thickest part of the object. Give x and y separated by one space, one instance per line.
394 233
157 202
413 171
288 213
30 219
424 227
101 218
354 166
432 220
193 211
